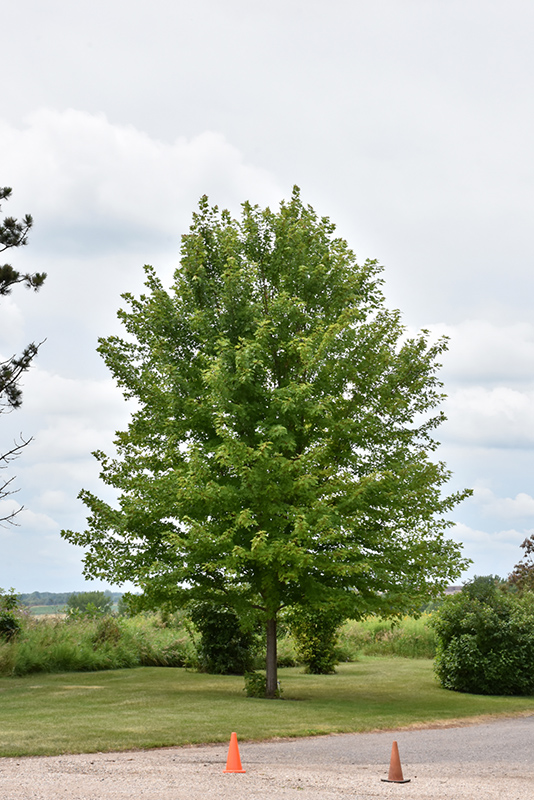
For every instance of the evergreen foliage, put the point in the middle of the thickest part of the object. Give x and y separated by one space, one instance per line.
14 233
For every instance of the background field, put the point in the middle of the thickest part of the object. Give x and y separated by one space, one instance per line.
52 644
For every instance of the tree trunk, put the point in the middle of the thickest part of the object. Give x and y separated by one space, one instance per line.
272 675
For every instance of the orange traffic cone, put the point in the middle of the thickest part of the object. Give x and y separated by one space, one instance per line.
233 762
395 769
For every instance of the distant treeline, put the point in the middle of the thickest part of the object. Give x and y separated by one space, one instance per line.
57 598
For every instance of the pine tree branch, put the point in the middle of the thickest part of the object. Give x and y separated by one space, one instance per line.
10 374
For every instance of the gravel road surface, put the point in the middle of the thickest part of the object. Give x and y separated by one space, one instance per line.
484 761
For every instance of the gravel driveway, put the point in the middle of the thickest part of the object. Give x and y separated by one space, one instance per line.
486 761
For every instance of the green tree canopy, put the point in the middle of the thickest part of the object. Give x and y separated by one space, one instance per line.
100 602
281 448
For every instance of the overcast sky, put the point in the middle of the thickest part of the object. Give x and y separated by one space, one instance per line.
410 124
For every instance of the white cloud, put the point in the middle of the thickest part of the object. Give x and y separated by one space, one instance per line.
513 508
37 522
11 323
484 352
56 396
506 537
491 553
36 558
55 500
500 417
68 440
98 187
106 199
34 554
8 506
68 417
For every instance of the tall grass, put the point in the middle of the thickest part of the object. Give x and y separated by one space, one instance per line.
373 636
407 638
87 645
82 645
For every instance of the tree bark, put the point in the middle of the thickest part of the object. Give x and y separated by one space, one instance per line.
272 675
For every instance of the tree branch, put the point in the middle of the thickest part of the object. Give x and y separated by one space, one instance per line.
5 491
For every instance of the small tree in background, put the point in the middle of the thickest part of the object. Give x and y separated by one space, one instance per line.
522 575
484 587
92 603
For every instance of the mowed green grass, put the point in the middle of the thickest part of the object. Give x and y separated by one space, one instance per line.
156 707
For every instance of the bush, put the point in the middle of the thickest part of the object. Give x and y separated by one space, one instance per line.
108 631
10 615
256 685
225 648
9 625
315 629
486 640
9 601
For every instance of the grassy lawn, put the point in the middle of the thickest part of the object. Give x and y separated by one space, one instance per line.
155 707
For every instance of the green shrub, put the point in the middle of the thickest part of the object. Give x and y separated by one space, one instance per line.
315 630
9 625
10 615
9 601
225 648
107 631
486 641
256 685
